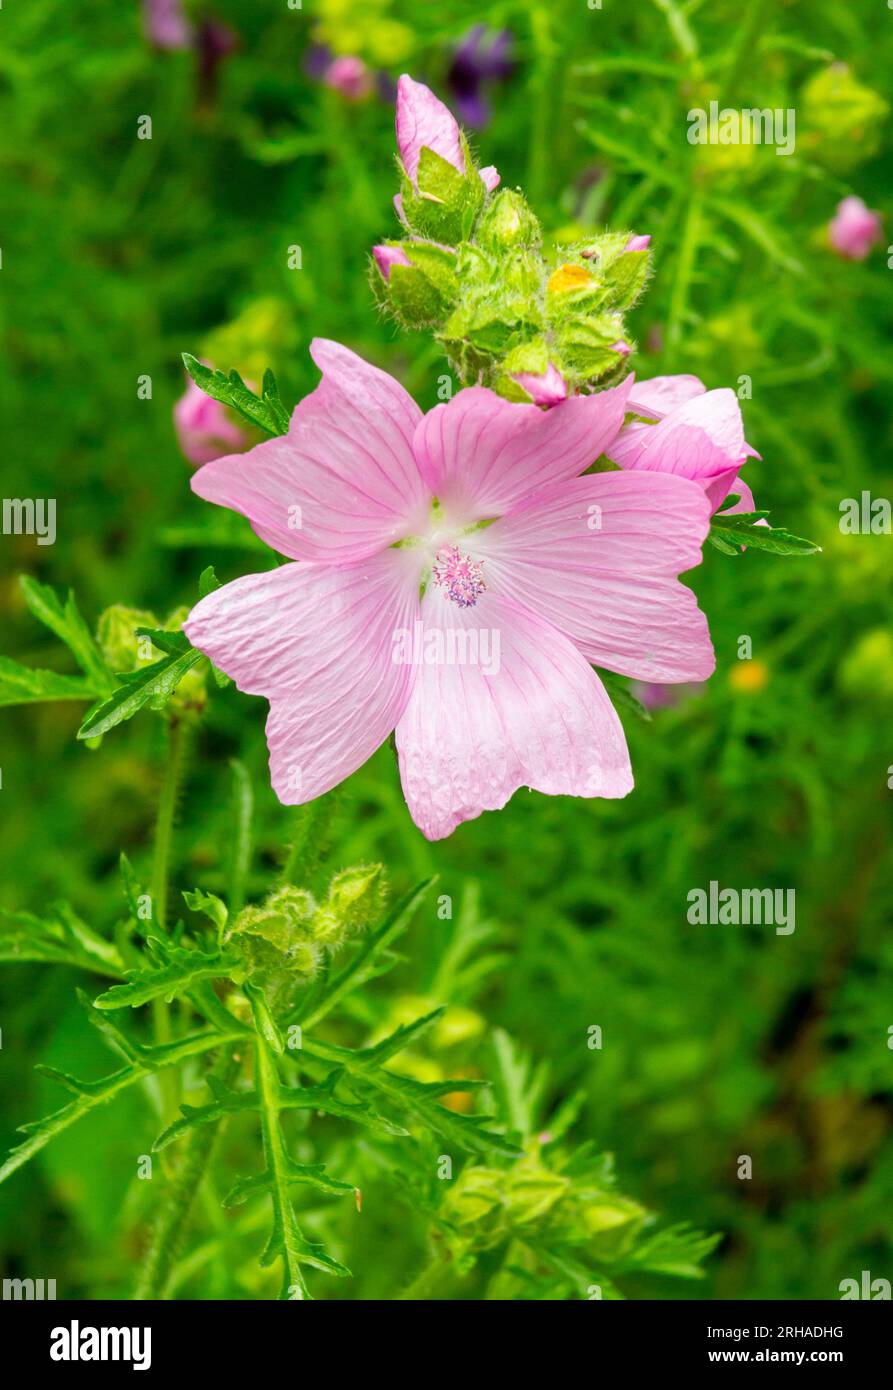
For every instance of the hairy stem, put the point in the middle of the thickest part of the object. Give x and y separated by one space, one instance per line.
170 1226
310 842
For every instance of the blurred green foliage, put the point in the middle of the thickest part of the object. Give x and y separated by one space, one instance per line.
118 255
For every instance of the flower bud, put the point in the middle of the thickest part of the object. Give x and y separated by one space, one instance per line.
354 900
117 639
508 222
415 280
840 121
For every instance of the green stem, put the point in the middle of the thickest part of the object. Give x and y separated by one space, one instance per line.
685 265
432 1284
164 821
170 1227
158 889
310 843
286 1234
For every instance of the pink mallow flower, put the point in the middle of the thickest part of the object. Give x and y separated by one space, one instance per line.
697 434
204 428
473 641
424 122
854 229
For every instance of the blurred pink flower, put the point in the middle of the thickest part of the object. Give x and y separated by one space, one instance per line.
638 243
352 640
166 25
698 434
423 122
350 77
654 696
855 229
544 388
204 428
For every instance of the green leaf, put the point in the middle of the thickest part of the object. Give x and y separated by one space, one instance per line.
91 1094
68 625
265 411
728 533
183 969
171 642
22 685
209 904
61 939
416 1100
154 684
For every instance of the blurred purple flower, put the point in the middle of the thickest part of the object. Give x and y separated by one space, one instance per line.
481 56
166 26
854 229
654 696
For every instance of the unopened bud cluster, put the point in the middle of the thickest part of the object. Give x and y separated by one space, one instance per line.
285 940
472 270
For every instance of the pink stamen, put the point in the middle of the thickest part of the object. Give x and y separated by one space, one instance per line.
461 577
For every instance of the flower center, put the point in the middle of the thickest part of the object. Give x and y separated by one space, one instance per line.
460 577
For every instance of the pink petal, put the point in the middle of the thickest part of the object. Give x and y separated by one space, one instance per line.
424 121
467 740
491 177
654 399
318 643
699 439
599 558
343 482
482 455
638 243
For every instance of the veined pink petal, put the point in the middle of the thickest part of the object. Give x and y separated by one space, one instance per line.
343 483
656 398
468 740
424 121
653 399
599 557
482 455
699 439
491 177
318 642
